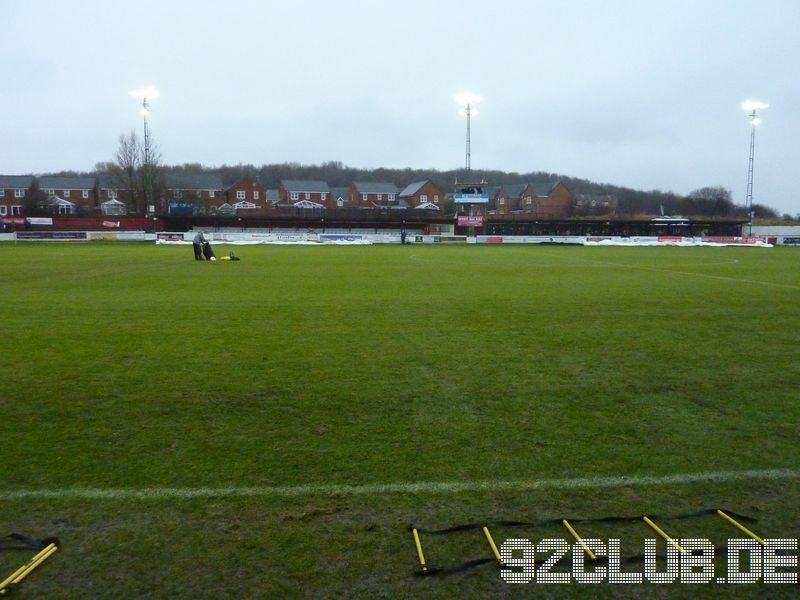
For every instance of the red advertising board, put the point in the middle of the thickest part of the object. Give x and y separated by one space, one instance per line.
474 221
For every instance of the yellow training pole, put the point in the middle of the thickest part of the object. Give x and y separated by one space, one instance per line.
740 527
664 535
50 550
491 543
25 569
580 541
8 580
419 551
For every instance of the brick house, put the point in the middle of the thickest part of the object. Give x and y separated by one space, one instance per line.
526 198
423 194
596 204
498 199
374 195
514 192
113 198
551 200
273 198
342 197
247 194
69 195
13 191
193 193
304 194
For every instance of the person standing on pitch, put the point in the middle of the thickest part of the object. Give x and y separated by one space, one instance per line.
197 243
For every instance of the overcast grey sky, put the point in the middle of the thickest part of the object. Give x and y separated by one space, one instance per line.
639 93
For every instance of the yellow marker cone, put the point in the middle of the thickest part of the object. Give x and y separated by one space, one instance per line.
664 535
574 533
740 527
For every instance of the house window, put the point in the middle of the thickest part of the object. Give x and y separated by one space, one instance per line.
323 196
240 195
212 194
16 209
308 196
339 202
50 192
19 193
256 195
177 193
85 193
501 201
65 209
2 193
66 193
364 197
295 195
528 200
112 194
3 210
391 197
423 198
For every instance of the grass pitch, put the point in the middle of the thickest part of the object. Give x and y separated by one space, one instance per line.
133 367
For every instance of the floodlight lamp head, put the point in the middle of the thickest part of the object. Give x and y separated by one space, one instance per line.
472 111
148 92
749 105
467 98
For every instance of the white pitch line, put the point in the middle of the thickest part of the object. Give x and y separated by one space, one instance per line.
429 487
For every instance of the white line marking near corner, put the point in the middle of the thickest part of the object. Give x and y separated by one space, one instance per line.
424 487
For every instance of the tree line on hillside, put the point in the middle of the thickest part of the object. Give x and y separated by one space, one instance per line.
144 176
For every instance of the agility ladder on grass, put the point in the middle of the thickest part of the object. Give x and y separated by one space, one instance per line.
425 569
46 548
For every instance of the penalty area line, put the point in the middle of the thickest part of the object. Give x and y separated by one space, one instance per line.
429 487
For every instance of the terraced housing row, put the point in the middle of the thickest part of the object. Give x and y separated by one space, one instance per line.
205 194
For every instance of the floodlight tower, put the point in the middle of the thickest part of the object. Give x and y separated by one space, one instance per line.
469 155
470 199
468 100
144 94
752 106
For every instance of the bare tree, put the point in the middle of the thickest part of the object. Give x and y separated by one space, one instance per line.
136 170
716 192
711 200
126 168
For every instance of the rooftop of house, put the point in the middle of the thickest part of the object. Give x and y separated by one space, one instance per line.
542 190
374 187
412 188
194 181
9 182
514 190
315 187
67 183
